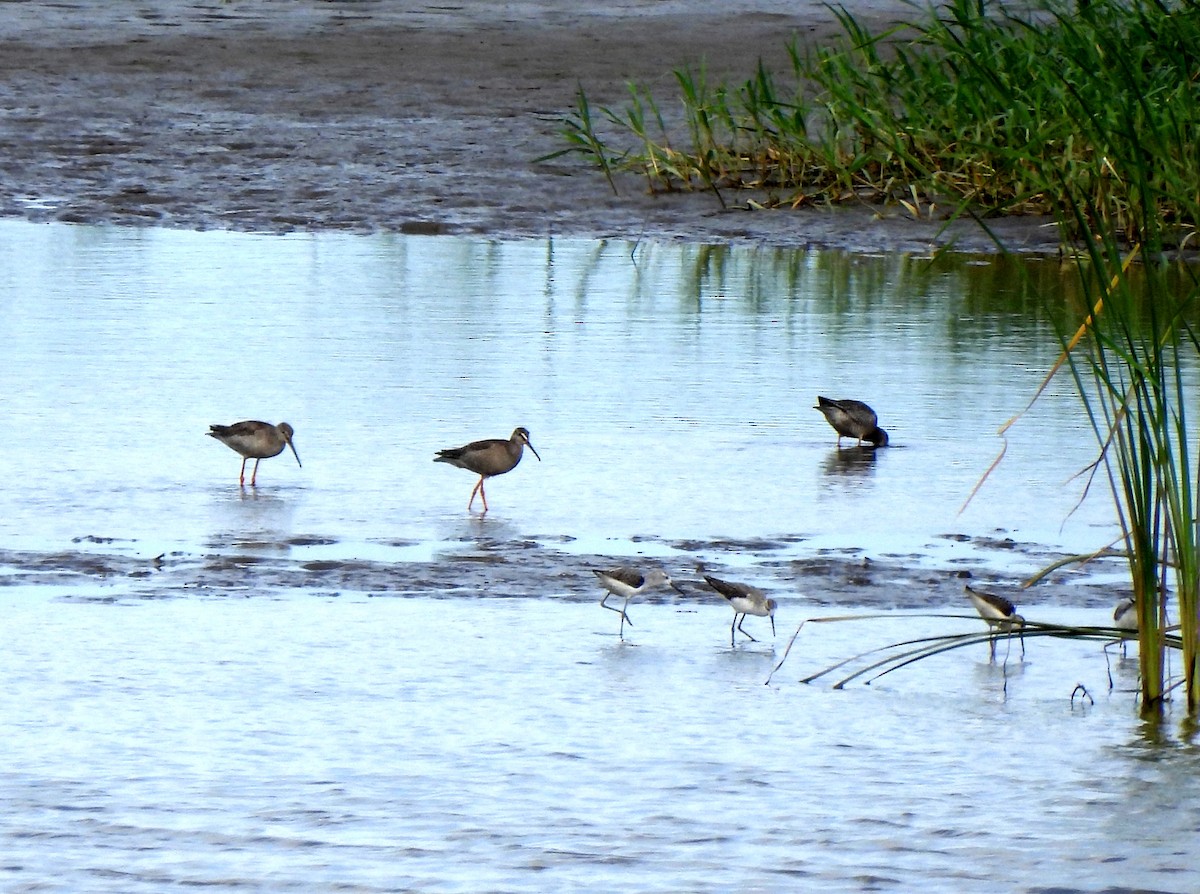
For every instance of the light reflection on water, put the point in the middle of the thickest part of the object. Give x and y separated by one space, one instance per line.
372 744
670 391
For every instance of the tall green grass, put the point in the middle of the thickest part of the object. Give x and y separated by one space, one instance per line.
1135 360
965 108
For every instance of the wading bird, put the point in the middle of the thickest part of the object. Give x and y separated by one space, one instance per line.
629 583
1000 614
488 458
744 600
1125 618
256 441
1125 615
852 419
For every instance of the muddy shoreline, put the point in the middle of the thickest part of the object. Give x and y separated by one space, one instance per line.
400 117
377 117
108 570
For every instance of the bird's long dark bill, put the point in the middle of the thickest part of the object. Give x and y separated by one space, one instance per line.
535 453
294 453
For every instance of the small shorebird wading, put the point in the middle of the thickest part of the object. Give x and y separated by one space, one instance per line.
629 583
852 419
744 600
1125 618
1125 615
487 458
256 441
999 612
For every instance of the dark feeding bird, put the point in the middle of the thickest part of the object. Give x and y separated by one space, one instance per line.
744 600
629 583
999 612
488 458
256 441
853 419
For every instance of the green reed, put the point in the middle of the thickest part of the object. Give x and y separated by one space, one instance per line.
580 133
964 108
1135 356
1134 359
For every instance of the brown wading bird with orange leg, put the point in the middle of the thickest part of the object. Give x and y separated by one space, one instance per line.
255 440
488 458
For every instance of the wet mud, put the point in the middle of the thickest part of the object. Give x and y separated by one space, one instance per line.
520 569
381 116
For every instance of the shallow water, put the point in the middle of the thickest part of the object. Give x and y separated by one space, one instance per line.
382 744
669 391
318 686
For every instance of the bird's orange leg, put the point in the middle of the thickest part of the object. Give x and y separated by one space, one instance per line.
478 487
242 474
254 475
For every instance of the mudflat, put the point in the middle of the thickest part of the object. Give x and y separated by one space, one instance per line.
394 116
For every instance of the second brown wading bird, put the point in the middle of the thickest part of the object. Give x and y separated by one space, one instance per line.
487 458
255 440
852 419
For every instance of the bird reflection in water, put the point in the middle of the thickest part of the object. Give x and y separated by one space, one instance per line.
851 461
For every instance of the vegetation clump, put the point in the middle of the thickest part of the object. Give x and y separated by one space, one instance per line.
970 108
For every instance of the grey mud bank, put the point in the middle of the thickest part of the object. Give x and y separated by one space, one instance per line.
391 116
110 569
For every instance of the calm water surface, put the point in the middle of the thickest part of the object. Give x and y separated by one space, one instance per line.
379 742
669 390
